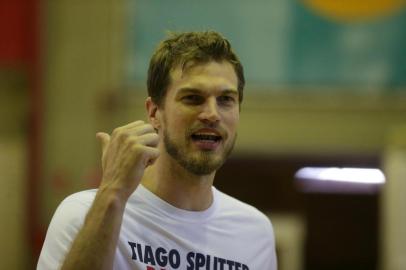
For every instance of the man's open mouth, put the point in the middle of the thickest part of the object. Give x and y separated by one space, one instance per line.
206 137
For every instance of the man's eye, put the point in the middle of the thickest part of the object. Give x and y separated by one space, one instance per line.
227 100
193 99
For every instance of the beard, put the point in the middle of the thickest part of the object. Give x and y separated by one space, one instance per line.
200 162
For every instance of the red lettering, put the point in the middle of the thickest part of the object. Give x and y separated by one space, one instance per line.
152 268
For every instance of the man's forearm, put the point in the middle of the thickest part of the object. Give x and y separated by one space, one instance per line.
95 244
125 154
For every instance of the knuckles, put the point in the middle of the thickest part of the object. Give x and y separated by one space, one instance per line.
137 149
118 133
155 136
128 139
141 152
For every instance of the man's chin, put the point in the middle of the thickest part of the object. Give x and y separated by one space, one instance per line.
197 160
202 169
204 165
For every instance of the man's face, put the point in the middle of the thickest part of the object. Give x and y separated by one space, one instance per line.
200 116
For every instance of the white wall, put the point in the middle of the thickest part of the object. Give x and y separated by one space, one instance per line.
393 221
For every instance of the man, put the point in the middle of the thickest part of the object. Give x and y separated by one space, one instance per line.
156 207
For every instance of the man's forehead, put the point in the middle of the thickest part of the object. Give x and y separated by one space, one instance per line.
201 77
215 68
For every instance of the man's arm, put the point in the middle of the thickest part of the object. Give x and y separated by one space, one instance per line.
126 154
94 245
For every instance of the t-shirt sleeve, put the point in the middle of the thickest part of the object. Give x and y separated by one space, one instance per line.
272 249
64 226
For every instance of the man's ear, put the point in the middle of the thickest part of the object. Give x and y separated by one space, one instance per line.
154 115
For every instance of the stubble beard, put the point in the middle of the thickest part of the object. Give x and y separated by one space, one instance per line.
200 163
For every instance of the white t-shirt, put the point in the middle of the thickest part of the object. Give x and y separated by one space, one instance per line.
229 235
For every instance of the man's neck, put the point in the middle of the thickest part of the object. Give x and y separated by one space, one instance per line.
177 186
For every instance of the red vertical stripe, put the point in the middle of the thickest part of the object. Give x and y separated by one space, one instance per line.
20 50
33 57
13 33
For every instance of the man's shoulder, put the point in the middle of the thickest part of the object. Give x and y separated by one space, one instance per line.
75 206
241 209
84 197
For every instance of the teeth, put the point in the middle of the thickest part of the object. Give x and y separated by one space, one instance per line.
205 134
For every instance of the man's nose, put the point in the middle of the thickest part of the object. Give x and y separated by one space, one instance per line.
210 112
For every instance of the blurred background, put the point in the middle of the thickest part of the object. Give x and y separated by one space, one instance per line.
326 87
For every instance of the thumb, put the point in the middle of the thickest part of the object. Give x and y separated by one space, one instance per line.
104 139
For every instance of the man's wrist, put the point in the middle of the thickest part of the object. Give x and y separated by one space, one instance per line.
115 197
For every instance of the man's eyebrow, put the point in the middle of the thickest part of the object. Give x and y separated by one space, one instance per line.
229 92
190 90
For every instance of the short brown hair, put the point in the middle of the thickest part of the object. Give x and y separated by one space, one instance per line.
183 48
